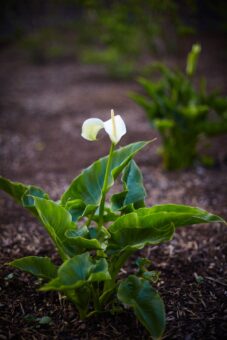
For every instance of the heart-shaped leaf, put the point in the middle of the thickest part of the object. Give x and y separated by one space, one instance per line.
87 187
81 242
87 239
179 215
54 217
154 225
56 220
133 232
23 194
146 303
134 192
76 208
14 189
77 271
36 265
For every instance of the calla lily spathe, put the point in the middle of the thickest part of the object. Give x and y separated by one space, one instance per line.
114 127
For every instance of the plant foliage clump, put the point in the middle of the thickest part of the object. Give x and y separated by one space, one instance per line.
180 112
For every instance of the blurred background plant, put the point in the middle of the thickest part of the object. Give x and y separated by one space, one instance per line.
120 34
116 34
181 112
48 44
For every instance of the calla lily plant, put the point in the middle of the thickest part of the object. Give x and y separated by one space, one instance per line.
94 238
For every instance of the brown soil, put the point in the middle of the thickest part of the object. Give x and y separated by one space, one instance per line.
42 109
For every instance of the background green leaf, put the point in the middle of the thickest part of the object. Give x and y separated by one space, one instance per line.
180 111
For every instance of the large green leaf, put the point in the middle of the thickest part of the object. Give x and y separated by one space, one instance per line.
131 232
68 238
179 215
23 194
36 265
87 187
54 217
56 220
80 241
146 303
87 239
134 192
14 189
77 271
154 225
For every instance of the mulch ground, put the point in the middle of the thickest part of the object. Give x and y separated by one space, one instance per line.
42 110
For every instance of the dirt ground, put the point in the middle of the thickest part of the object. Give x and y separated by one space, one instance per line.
42 110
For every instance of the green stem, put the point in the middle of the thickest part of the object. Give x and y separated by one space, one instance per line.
117 264
95 293
72 296
90 219
120 262
105 186
61 252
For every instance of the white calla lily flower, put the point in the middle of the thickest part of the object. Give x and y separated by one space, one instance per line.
91 127
114 127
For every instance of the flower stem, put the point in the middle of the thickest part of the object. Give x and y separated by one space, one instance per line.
105 185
